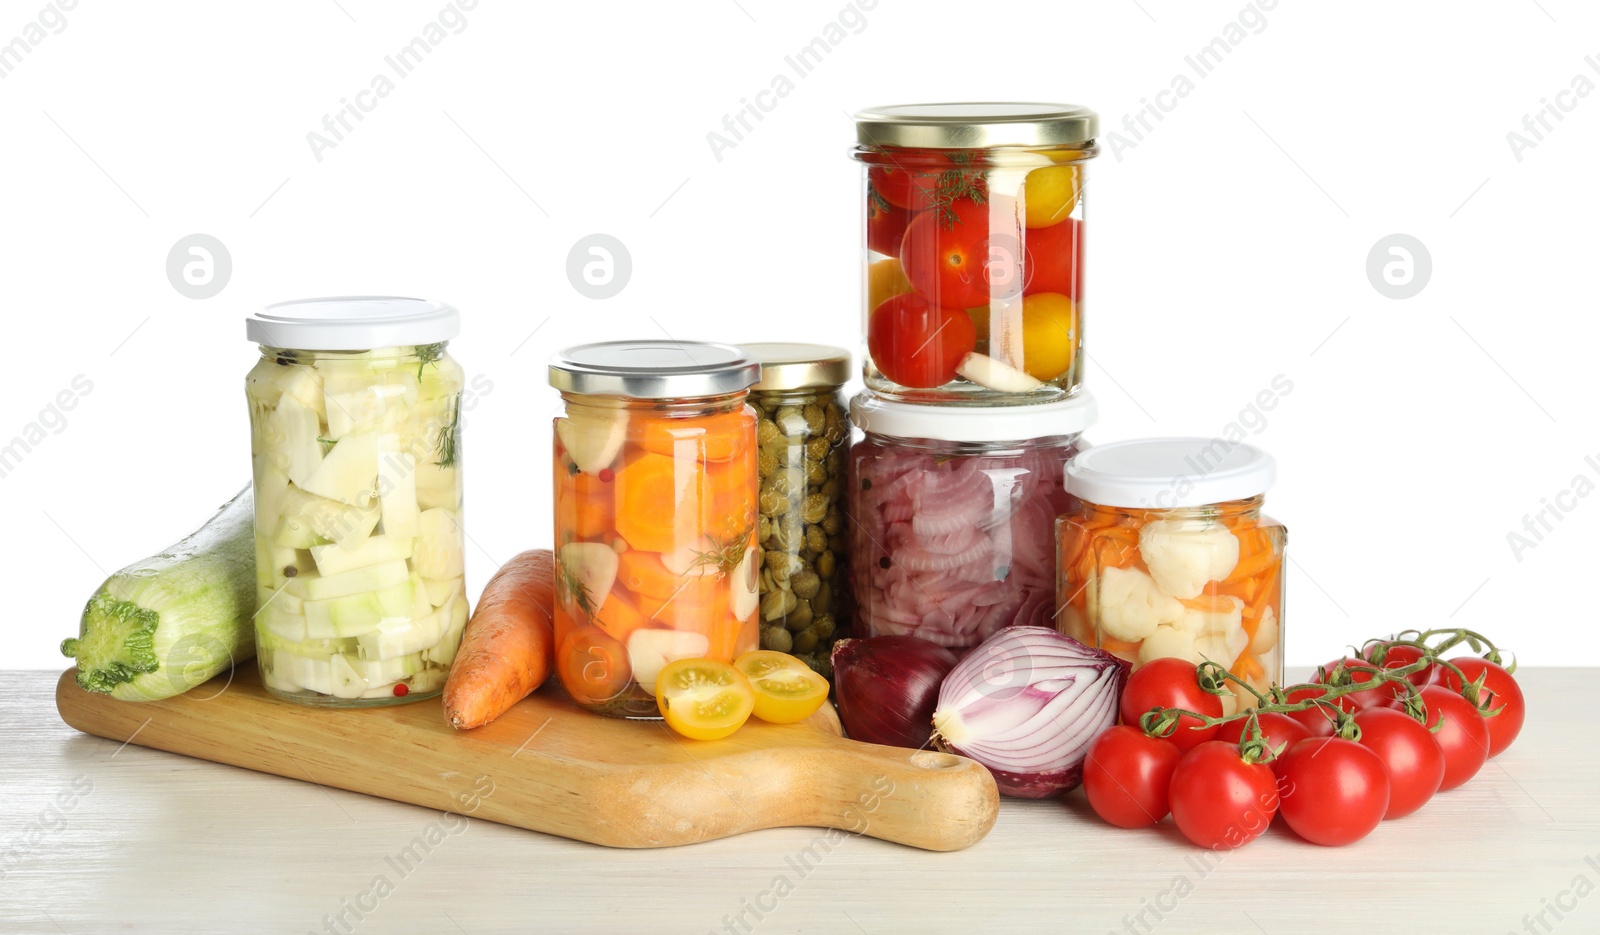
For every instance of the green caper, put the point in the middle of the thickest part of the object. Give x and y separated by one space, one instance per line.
816 474
830 491
800 617
766 581
817 448
776 639
805 584
833 522
767 432
814 508
823 626
763 529
772 503
782 565
806 640
766 462
790 421
777 603
822 603
825 564
813 416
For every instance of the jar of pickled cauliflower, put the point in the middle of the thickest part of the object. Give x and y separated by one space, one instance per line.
655 515
355 427
973 249
1167 553
801 437
952 511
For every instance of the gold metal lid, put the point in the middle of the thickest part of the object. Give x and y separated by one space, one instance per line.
799 366
976 125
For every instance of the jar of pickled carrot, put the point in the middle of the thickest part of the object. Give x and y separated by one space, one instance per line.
1167 553
655 515
972 259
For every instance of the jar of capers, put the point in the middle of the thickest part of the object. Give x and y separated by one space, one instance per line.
802 438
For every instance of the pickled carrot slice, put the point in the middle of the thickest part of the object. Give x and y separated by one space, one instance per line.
654 511
642 573
591 513
717 436
1248 667
619 617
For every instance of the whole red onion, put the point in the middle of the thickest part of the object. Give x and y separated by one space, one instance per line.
887 687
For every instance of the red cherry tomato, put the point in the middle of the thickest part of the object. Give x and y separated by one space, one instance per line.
1127 775
904 188
955 258
915 343
1220 801
1317 720
886 224
1463 737
1398 656
1360 672
1410 755
1278 730
1053 259
1171 683
1500 691
1334 791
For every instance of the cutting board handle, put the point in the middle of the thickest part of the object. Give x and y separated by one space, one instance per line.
936 801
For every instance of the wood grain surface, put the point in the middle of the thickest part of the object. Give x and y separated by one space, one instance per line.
555 768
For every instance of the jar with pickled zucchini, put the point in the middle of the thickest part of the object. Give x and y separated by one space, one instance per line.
973 250
952 512
800 455
655 516
1167 553
355 417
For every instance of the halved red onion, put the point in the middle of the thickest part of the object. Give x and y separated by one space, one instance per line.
887 687
1026 703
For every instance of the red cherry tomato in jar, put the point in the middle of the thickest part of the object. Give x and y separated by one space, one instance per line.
1463 737
1500 690
1219 800
952 256
904 188
1053 259
1171 683
1127 776
918 344
1278 730
886 224
1332 791
1410 755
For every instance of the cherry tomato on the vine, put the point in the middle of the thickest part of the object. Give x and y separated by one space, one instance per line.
1171 683
1127 776
1333 791
1318 720
1410 755
1463 737
1398 656
1219 800
1360 672
916 343
1278 730
1500 690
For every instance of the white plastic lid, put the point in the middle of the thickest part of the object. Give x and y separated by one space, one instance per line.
1162 473
879 416
353 323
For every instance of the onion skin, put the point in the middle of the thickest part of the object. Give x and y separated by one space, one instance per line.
1025 696
888 686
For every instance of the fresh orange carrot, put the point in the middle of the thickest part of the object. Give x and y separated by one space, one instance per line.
508 647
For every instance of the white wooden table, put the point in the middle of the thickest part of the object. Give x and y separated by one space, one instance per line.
95 837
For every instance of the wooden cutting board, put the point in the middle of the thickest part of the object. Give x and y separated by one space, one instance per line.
549 766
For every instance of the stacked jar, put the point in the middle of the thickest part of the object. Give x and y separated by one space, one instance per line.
974 401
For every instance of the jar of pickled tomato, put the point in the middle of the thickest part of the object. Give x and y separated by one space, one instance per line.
801 440
973 249
1167 553
655 515
952 511
355 428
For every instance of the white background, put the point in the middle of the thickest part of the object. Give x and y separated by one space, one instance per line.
1228 246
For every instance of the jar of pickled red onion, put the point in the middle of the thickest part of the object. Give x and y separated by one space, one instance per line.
952 510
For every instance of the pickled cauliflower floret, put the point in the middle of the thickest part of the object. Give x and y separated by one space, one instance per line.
1200 633
1183 555
1266 633
1128 604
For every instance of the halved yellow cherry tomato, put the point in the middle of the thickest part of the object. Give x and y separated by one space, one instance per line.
786 689
704 699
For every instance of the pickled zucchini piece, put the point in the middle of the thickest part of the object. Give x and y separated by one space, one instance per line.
295 428
397 488
310 520
349 473
310 586
438 549
401 636
335 559
356 614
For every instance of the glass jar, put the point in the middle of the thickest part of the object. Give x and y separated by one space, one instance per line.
952 511
1167 553
973 250
800 456
655 515
355 429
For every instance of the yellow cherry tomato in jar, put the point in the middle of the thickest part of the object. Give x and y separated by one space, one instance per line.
787 690
1049 194
1049 335
703 699
885 280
